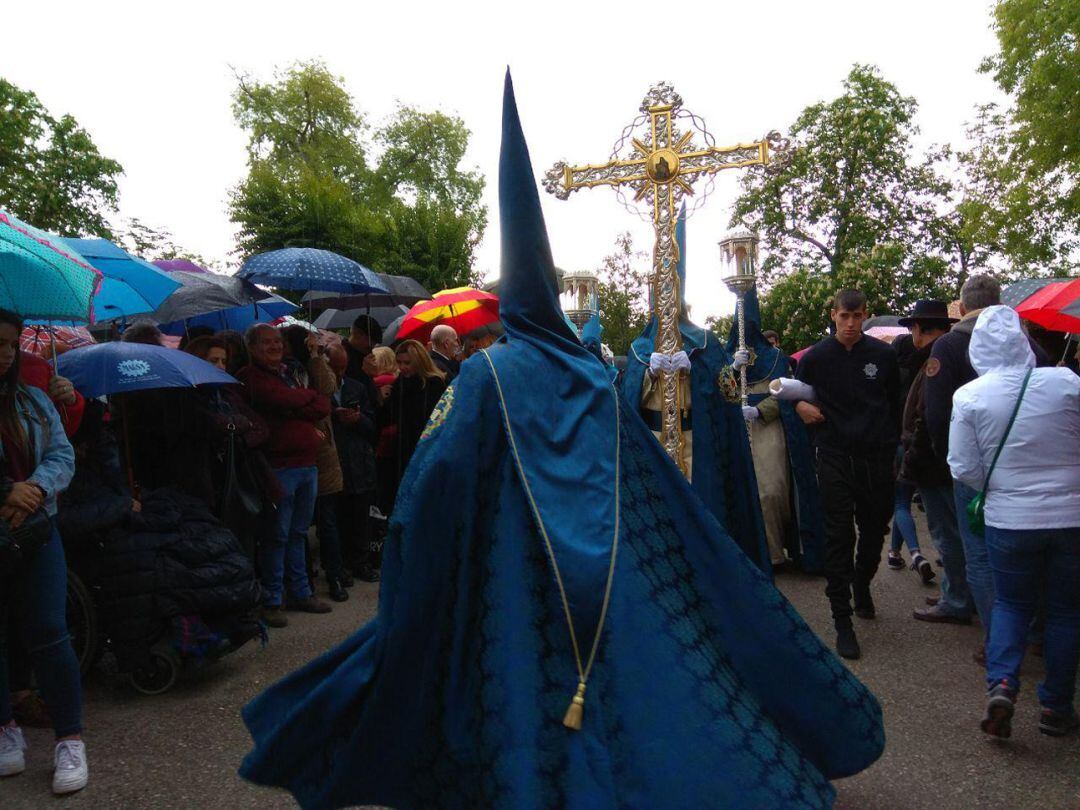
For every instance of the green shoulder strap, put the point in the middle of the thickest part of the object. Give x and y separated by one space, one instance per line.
1008 429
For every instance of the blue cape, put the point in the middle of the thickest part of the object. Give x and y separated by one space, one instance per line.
806 542
708 690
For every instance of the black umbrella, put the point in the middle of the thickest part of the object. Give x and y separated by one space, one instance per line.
236 302
1019 291
881 320
343 318
402 290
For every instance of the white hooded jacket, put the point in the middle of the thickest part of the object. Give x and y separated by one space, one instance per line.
1036 483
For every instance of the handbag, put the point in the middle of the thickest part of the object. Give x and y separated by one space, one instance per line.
28 538
241 495
976 508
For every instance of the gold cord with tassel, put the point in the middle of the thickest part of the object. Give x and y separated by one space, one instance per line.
575 712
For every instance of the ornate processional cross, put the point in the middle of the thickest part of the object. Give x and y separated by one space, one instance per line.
661 170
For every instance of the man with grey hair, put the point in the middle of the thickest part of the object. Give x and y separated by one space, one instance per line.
969 583
445 348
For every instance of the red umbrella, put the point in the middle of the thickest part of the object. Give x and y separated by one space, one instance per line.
1046 306
41 339
463 308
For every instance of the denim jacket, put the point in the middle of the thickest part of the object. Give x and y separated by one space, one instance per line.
54 459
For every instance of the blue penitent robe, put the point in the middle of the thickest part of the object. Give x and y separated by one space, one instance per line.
806 541
708 689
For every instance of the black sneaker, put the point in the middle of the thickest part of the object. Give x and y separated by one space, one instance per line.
922 565
1000 705
847 646
895 561
336 589
1058 724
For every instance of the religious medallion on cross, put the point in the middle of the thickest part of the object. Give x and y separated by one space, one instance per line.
661 166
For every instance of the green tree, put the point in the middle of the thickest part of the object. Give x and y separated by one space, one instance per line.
312 182
51 173
153 243
852 182
622 294
1039 66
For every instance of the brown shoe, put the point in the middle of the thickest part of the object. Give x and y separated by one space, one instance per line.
938 616
309 605
30 710
933 600
274 616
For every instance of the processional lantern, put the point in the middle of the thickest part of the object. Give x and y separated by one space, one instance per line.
739 254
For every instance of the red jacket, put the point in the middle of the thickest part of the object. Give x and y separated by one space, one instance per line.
291 414
36 372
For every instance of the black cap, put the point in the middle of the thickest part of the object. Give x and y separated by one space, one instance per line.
928 310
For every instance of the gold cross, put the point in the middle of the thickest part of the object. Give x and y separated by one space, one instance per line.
662 171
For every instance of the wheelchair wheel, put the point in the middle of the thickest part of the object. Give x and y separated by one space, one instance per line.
82 622
159 673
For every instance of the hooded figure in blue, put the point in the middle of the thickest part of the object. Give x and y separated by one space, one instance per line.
717 447
592 338
783 458
707 688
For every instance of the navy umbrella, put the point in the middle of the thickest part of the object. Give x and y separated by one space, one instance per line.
401 290
120 368
310 269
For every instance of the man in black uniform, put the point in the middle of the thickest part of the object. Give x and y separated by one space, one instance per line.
855 424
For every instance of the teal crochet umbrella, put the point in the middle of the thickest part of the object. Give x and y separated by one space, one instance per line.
42 278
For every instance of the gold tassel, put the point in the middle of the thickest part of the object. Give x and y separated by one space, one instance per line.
576 710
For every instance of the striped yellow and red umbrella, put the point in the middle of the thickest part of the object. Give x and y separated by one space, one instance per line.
463 308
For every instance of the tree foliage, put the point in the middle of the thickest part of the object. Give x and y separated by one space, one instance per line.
51 173
852 182
623 294
395 198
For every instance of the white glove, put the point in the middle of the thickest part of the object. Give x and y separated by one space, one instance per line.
659 364
750 413
742 358
680 361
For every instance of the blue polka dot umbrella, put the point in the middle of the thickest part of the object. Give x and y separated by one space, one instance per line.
311 269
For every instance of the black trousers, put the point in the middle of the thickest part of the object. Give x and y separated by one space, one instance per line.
856 492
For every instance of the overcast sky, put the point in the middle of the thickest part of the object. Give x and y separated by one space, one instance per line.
152 84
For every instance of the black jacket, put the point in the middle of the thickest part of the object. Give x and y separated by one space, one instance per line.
356 442
450 367
174 559
947 370
409 406
920 464
858 391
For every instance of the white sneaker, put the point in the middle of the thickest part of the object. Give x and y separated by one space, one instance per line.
72 772
12 745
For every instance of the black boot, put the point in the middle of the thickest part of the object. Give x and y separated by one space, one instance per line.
847 646
864 603
337 589
373 562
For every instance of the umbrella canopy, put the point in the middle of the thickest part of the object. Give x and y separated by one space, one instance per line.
42 340
117 368
42 278
882 320
463 308
286 321
310 269
886 333
1019 291
219 302
182 265
343 318
390 332
1049 306
401 290
130 286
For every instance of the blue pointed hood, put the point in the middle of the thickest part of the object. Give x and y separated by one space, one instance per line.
694 336
557 400
592 336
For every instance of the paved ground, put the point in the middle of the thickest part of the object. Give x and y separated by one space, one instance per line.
182 749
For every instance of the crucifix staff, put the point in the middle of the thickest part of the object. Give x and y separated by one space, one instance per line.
662 170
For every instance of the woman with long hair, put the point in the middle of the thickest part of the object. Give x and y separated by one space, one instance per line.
412 398
36 464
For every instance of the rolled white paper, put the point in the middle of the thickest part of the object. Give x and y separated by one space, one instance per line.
791 390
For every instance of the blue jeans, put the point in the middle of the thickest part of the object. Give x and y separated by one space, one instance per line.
40 585
903 524
283 558
1026 564
980 578
940 504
